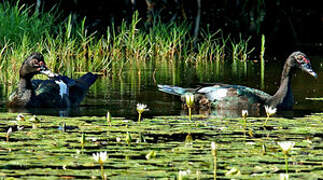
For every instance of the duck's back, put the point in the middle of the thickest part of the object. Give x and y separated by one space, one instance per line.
233 96
47 94
48 91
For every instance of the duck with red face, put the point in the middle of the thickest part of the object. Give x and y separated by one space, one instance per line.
58 91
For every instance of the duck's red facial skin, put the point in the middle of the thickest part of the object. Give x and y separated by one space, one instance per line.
305 64
302 59
38 64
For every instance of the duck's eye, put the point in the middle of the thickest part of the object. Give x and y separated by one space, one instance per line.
300 59
34 61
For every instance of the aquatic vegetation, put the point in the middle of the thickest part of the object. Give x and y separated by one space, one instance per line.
286 146
69 47
61 155
140 109
269 111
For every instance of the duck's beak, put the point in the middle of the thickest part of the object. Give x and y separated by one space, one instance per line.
308 68
312 73
44 70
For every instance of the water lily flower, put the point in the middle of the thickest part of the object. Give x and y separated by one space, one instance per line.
34 118
183 174
189 98
213 146
244 113
100 157
233 172
9 133
20 117
269 111
283 177
141 108
286 146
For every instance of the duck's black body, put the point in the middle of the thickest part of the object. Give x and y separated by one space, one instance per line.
48 93
224 96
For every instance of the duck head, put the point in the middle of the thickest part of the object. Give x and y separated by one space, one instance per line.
301 61
34 64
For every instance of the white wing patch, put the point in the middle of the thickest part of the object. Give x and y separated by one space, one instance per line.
62 88
214 93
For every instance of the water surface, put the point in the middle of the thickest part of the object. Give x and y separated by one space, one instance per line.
120 91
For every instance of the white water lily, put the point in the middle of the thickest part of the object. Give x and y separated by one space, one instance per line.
183 174
213 146
100 157
142 107
283 176
270 110
8 133
244 113
189 98
286 146
20 117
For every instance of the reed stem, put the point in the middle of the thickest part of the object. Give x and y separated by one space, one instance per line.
262 62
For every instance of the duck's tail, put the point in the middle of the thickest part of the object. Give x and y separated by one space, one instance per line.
174 90
81 87
88 79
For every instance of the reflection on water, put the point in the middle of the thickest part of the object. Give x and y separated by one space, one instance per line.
120 92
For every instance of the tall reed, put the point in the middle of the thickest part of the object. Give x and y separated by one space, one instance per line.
68 47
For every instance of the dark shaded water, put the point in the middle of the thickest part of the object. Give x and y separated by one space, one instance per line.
120 92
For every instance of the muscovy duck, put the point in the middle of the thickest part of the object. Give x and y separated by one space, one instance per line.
225 96
57 92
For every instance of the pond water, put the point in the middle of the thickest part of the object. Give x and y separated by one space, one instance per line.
137 83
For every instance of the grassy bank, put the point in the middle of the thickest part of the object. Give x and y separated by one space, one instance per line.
68 47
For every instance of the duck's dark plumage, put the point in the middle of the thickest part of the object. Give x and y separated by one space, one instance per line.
225 96
47 93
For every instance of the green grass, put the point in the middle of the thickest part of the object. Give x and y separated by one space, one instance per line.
68 47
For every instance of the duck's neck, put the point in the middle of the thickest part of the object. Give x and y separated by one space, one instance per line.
283 98
24 85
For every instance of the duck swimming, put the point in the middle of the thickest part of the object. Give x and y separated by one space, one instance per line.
57 92
226 96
